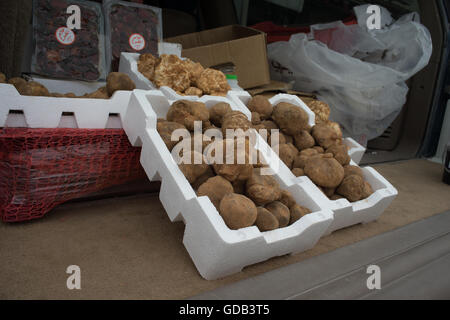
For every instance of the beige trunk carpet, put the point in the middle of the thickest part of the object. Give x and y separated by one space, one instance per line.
127 248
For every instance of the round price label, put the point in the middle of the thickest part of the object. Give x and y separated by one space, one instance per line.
137 41
65 36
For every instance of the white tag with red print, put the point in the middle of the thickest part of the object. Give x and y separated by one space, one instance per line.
65 36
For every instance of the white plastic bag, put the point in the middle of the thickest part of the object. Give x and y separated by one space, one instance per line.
360 73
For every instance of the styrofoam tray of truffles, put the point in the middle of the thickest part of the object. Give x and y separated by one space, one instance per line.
359 206
129 65
356 151
44 111
216 249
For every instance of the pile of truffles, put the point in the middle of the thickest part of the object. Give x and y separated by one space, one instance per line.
115 81
184 76
241 194
317 152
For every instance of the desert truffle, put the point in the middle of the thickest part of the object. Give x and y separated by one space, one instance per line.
194 70
336 197
192 170
303 140
213 82
147 64
320 109
272 139
171 72
297 211
269 125
215 188
193 91
352 188
235 120
287 199
21 85
256 118
351 169
265 220
324 135
260 105
287 153
186 112
340 153
298 172
290 118
118 81
325 172
281 212
237 211
367 190
100 93
262 189
37 89
217 112
209 173
234 165
165 130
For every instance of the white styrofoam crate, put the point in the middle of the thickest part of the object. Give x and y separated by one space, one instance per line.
345 213
47 112
129 65
216 250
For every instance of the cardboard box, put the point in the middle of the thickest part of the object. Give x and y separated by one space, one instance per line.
243 47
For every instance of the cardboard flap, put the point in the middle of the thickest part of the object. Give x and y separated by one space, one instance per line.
243 47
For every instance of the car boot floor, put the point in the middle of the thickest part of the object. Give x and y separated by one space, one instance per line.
127 248
410 262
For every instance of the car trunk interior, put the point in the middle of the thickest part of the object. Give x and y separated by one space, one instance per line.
403 139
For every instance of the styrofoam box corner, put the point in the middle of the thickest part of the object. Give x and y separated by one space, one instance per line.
215 249
53 112
345 213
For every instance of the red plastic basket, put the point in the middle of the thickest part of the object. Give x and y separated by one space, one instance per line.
41 168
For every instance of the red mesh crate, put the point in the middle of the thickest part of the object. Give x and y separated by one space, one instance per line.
41 168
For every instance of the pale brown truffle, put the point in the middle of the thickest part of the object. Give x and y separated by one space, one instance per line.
290 118
187 112
287 152
352 188
118 81
171 72
215 188
325 172
262 189
281 212
303 140
193 91
218 111
296 212
265 220
324 135
340 153
213 82
237 211
351 169
166 129
261 105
